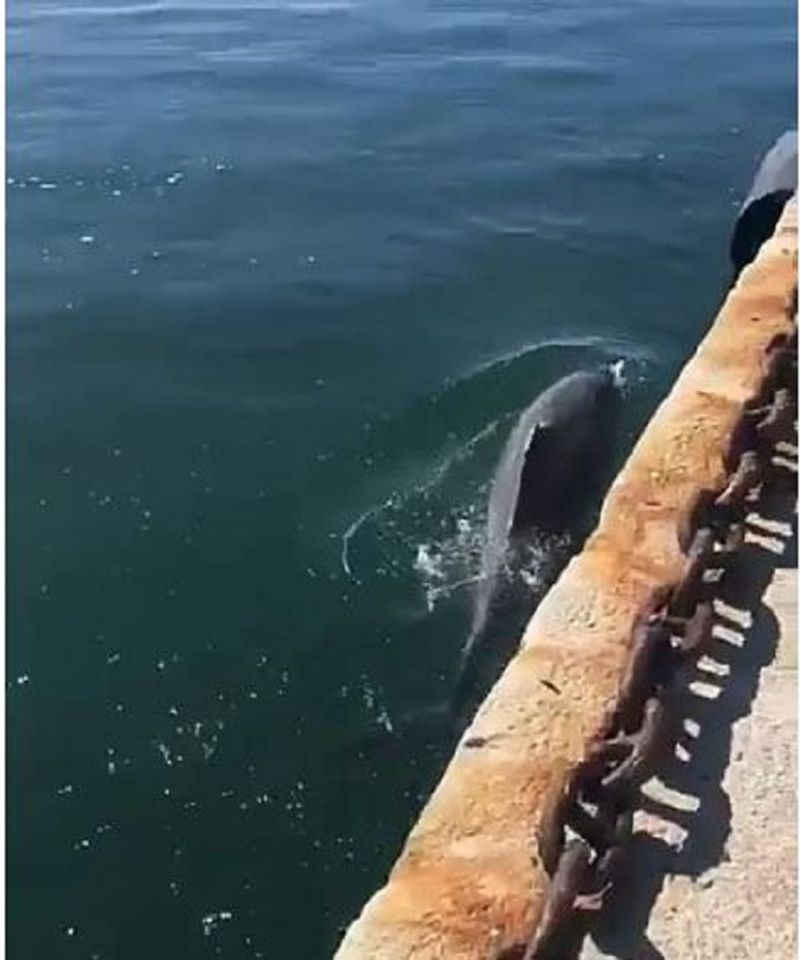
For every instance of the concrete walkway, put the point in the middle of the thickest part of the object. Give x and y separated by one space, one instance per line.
713 867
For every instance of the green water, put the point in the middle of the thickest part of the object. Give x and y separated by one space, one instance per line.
280 277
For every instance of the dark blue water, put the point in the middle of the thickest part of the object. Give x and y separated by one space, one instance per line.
280 276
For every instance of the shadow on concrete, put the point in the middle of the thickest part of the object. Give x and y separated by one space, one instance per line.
687 809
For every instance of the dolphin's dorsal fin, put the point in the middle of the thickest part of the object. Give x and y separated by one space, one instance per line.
538 434
531 470
533 451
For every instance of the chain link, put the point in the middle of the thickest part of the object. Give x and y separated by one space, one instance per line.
588 822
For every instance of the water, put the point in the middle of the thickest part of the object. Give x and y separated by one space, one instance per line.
280 271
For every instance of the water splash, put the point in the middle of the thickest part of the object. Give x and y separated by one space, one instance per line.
447 565
398 500
617 369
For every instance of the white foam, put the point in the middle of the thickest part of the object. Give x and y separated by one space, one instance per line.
428 563
617 369
211 920
451 564
375 707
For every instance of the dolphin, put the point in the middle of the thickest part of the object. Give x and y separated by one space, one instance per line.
552 467
552 462
758 216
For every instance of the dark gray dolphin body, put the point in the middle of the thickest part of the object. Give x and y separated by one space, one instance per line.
554 448
550 464
774 184
553 465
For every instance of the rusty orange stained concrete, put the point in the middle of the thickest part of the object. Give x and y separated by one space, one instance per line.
468 885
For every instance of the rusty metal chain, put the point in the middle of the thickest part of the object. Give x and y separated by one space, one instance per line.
587 825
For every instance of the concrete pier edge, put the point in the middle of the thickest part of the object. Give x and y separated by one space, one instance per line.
469 883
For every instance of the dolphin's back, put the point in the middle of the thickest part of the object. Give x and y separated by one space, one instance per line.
548 437
566 409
